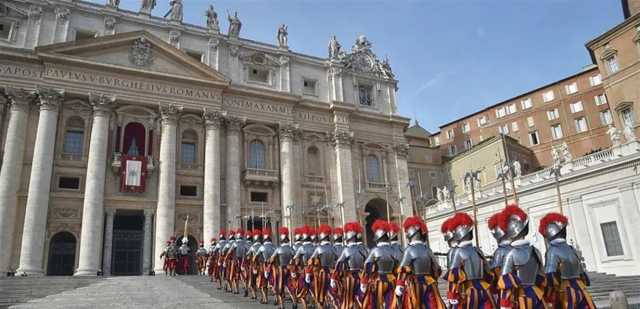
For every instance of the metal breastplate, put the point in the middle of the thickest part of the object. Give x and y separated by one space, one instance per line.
285 254
172 252
305 252
354 257
418 257
240 250
450 254
338 248
499 255
326 255
469 258
184 250
384 259
397 251
220 245
563 258
201 252
525 262
265 251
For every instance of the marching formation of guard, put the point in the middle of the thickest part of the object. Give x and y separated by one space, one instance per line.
332 268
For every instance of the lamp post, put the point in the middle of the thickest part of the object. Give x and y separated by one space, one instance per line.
555 172
472 176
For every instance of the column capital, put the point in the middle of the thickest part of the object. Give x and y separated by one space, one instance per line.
234 124
401 150
149 212
169 113
212 119
102 103
49 98
290 131
341 137
19 98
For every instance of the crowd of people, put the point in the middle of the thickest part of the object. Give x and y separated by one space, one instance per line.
332 268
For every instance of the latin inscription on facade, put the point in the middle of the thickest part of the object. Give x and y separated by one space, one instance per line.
126 84
19 71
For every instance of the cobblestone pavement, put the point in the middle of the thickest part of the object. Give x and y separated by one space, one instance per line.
141 292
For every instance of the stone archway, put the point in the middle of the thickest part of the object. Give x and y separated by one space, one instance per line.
376 209
62 254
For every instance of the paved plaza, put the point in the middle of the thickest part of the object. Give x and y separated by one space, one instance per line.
141 292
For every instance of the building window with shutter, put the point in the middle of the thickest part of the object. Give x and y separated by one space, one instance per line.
581 125
556 131
526 103
548 96
611 237
257 155
576 107
605 117
612 64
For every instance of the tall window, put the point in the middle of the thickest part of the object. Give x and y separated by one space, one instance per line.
627 117
482 121
605 117
581 125
468 144
548 96
553 114
365 93
313 161
188 155
374 171
600 99
571 88
466 127
450 134
556 131
595 80
576 107
74 138
452 150
611 237
530 122
612 64
257 155
526 103
534 138
501 112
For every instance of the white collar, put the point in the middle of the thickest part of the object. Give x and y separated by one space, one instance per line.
558 241
306 243
324 242
505 242
415 242
383 243
395 242
520 242
286 244
352 244
465 243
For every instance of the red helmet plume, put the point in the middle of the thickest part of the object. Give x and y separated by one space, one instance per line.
324 229
446 225
412 221
380 225
493 220
266 231
512 210
550 218
338 231
461 218
283 230
393 227
353 227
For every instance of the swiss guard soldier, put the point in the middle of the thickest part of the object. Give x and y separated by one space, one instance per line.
319 266
447 233
261 261
237 253
345 276
566 279
166 261
170 254
468 277
338 243
279 262
300 260
202 254
218 257
376 282
417 283
227 260
521 283
211 261
250 266
394 229
297 238
504 243
184 252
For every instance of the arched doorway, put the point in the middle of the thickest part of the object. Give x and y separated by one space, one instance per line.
62 254
193 267
375 209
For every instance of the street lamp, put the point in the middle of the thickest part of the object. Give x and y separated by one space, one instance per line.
555 172
472 176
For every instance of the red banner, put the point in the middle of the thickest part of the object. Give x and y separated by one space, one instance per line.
133 173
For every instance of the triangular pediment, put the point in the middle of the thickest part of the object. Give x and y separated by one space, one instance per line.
138 51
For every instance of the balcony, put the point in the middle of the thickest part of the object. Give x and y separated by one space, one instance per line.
116 163
376 186
260 177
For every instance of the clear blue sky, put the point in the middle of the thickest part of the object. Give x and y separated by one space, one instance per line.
452 57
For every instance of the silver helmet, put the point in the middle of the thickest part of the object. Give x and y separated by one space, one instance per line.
495 227
462 226
516 222
380 229
552 224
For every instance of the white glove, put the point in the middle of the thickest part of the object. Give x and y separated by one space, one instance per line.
242 269
255 272
505 307
332 283
453 301
307 278
399 290
266 274
219 264
363 288
294 275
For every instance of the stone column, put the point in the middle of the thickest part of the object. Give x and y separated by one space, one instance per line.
146 247
166 209
212 165
108 242
402 179
233 165
288 170
93 206
344 171
10 174
35 218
